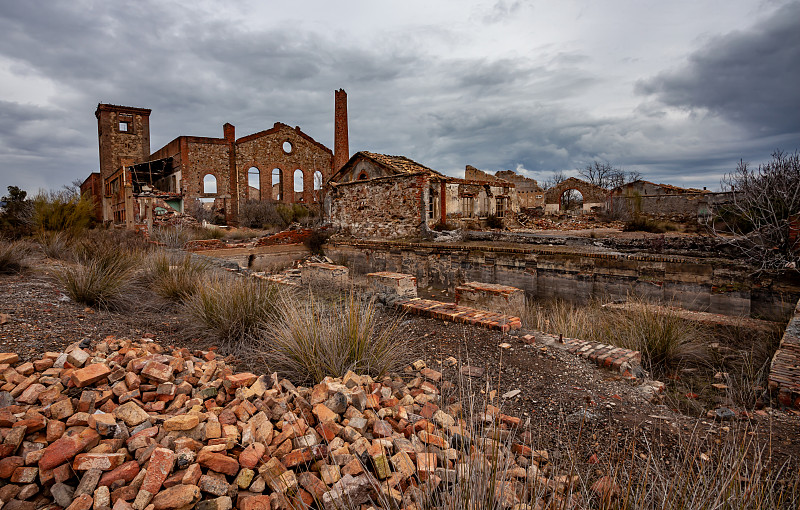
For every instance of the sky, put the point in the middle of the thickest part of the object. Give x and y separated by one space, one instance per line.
679 91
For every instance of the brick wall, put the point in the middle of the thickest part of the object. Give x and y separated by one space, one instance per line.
115 144
265 152
387 207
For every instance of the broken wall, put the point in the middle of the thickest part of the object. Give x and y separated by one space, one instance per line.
386 207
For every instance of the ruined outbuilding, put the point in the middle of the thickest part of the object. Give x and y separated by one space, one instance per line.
664 201
377 195
594 197
281 163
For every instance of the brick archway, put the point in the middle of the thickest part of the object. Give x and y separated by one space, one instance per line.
593 196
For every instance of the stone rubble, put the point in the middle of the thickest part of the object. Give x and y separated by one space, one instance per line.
132 425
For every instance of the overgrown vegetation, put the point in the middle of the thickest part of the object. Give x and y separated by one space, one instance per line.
173 277
17 214
687 355
56 245
316 241
12 256
102 281
59 211
666 340
764 212
312 339
230 310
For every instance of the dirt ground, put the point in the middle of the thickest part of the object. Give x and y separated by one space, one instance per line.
567 400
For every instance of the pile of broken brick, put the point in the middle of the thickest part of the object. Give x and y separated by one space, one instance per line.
124 424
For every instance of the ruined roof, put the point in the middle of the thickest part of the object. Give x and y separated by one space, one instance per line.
400 164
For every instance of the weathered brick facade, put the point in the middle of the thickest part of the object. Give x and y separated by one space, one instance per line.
594 197
122 132
387 207
93 186
185 162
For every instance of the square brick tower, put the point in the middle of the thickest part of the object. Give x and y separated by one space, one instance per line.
123 132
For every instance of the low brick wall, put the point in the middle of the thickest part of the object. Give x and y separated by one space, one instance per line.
784 372
399 284
327 273
455 313
490 296
607 356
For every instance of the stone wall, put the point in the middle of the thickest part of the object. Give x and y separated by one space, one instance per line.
684 207
712 285
115 144
386 207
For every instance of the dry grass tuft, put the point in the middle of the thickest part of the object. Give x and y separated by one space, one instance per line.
230 310
173 277
12 256
56 245
312 339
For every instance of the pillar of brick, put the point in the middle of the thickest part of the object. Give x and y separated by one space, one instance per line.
232 207
341 145
443 203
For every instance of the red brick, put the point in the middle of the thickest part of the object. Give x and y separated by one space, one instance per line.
67 447
89 375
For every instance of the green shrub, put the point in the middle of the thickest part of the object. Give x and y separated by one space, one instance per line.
229 310
175 278
312 340
260 214
292 213
12 257
62 211
16 217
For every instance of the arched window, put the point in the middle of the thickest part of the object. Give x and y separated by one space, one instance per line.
317 185
277 184
253 183
209 184
299 185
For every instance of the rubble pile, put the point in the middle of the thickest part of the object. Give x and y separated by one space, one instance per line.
134 425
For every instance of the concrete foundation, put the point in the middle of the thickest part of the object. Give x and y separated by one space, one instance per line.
578 275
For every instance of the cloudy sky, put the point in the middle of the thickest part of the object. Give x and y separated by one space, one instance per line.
678 90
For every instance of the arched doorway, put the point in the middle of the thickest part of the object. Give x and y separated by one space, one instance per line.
571 200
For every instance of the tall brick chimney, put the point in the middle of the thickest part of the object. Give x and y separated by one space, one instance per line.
341 146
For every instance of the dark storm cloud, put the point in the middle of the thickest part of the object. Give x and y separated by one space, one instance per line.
197 71
750 77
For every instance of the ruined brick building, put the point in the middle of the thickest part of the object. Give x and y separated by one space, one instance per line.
377 195
280 163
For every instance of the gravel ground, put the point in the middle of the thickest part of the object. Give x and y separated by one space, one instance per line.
571 405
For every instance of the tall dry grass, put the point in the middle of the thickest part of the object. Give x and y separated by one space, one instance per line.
12 256
231 310
312 338
665 339
173 277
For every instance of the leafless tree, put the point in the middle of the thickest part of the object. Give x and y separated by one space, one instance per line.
604 174
764 211
555 179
